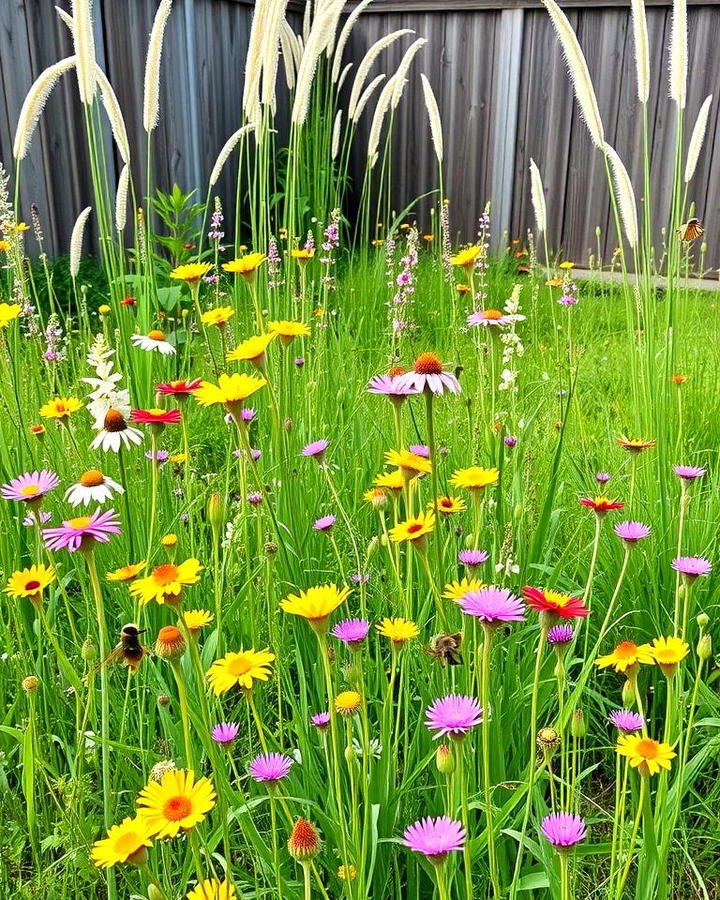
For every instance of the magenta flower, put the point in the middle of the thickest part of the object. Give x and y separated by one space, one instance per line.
320 720
429 375
563 830
270 767
493 605
225 733
81 532
689 473
160 456
30 487
602 477
435 838
325 523
692 566
626 720
631 532
389 387
360 577
453 715
420 450
568 300
351 631
254 498
30 519
493 318
560 634
316 449
510 440
472 558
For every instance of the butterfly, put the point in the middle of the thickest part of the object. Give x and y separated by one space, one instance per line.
691 230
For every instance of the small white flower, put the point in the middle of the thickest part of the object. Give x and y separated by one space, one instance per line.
154 340
92 487
112 440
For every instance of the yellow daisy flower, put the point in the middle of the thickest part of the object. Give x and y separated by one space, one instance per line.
635 445
465 259
448 505
60 408
195 619
179 459
125 843
4 246
30 582
390 481
219 317
347 703
8 312
169 540
456 590
175 803
566 264
315 604
190 273
212 889
252 350
645 754
165 583
411 464
126 573
413 529
303 255
232 390
287 331
399 630
474 478
668 653
246 266
241 669
626 655
377 497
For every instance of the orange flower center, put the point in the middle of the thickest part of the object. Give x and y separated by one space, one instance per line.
626 650
79 522
92 478
428 364
396 370
169 634
60 408
413 529
239 666
32 585
493 314
177 808
165 574
304 836
156 335
114 421
665 655
647 748
446 503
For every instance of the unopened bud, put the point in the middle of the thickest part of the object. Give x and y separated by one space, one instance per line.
445 759
216 512
704 647
628 694
304 843
163 700
703 620
30 684
577 725
89 650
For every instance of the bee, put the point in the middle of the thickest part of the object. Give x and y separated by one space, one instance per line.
129 650
445 648
691 230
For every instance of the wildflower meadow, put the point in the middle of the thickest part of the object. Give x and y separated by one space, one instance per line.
342 557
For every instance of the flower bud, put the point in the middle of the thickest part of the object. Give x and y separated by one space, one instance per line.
628 694
304 842
30 684
704 647
216 512
578 728
163 700
170 643
89 650
703 620
445 759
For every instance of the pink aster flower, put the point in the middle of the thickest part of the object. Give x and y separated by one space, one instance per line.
320 720
626 720
316 449
225 733
453 715
493 318
32 518
420 450
389 386
325 523
270 767
689 473
30 487
602 477
472 558
560 634
351 632
435 838
692 566
493 605
429 375
563 830
81 532
631 532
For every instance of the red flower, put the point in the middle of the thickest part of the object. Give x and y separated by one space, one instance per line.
156 416
601 505
128 301
562 605
177 388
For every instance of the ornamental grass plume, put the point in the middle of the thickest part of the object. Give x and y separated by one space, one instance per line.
537 196
34 104
151 92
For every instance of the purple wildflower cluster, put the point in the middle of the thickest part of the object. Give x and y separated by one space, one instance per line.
404 283
275 278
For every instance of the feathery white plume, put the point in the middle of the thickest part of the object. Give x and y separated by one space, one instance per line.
121 197
84 44
367 63
254 56
383 104
337 127
696 141
65 17
344 75
678 53
151 98
344 37
314 46
76 240
34 104
625 196
288 54
270 51
400 77
434 117
227 149
579 74
537 195
114 114
642 49
365 96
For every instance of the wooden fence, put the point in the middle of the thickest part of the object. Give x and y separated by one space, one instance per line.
497 71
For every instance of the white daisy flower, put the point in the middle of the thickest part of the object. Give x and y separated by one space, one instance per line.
115 433
94 487
153 340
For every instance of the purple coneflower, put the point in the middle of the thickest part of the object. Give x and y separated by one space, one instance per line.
689 473
428 375
435 838
351 632
626 720
82 531
30 487
493 605
270 768
390 387
320 720
325 523
692 566
316 449
225 733
453 715
631 532
472 558
560 634
563 830
493 318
